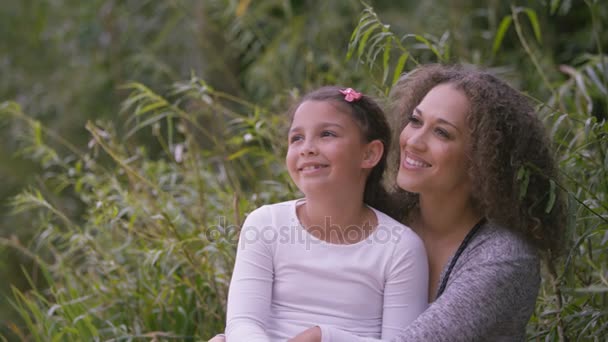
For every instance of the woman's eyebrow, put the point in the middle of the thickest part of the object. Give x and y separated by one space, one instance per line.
440 120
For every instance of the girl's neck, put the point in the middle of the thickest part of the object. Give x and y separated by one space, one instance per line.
333 219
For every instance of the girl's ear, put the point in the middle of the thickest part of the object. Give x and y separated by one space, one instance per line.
372 154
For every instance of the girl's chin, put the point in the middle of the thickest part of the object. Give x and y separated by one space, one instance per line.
314 190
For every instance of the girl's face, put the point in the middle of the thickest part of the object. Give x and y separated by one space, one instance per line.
435 143
327 151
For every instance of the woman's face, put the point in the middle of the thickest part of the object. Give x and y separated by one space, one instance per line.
435 144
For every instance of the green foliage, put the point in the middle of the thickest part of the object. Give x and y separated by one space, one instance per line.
134 233
154 250
372 37
573 300
63 62
92 50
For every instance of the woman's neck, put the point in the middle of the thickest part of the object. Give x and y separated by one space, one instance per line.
446 216
442 223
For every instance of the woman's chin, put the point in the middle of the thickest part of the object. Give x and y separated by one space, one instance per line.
407 184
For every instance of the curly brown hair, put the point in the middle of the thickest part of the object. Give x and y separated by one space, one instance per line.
513 170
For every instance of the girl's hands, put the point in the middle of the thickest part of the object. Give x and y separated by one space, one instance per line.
309 335
218 338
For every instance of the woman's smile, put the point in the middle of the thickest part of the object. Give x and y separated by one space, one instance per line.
434 144
412 162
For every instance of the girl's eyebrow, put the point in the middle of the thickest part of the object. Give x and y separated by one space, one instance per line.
440 120
320 125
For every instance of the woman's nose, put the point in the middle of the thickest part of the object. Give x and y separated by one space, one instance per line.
413 138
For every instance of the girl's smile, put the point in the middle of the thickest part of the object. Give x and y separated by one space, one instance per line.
326 149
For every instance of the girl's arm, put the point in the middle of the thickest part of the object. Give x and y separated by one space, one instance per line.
406 287
250 292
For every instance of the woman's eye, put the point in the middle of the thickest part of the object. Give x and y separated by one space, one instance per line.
442 133
414 121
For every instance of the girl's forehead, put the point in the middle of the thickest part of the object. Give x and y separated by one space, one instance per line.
313 110
320 114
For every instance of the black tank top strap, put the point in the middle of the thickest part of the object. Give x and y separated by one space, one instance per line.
461 248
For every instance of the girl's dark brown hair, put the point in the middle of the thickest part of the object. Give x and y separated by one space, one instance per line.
509 148
374 126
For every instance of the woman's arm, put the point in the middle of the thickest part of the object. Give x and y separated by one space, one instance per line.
250 291
492 288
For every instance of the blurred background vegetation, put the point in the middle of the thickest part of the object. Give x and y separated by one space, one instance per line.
135 135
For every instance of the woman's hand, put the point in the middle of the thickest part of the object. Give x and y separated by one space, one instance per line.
309 335
218 338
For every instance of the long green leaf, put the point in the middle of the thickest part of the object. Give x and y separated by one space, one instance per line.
430 45
374 50
554 6
386 57
592 289
366 35
534 21
552 196
505 23
358 32
400 65
596 80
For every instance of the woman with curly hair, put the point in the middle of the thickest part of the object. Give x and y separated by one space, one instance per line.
477 183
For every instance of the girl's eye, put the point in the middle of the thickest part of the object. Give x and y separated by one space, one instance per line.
294 138
328 134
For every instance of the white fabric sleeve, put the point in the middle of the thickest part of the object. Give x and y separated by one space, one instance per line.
405 293
250 292
407 285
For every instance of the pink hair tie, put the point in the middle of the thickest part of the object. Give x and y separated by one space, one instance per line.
351 95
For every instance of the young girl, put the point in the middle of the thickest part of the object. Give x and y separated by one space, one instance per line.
331 257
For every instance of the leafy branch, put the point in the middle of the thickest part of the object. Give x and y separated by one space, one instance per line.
371 37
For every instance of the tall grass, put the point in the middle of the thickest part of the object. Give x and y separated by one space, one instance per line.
152 254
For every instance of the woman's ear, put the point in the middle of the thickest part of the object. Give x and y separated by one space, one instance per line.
372 154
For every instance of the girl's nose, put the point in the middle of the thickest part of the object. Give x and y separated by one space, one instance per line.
309 148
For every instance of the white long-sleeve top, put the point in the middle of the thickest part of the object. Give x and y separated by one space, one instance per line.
285 280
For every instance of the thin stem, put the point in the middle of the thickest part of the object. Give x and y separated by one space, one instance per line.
558 297
16 245
561 186
535 61
120 162
596 35
15 110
